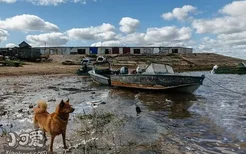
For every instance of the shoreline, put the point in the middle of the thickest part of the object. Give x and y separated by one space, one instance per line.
179 62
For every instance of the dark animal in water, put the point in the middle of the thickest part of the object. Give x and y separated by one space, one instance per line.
138 110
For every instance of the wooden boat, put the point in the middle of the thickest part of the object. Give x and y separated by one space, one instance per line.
155 77
240 69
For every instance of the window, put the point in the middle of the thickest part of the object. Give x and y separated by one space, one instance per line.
175 50
136 51
107 51
81 51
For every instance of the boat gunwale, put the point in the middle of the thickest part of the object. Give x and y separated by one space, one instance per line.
159 75
152 87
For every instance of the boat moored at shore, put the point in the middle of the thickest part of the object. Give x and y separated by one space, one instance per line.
154 77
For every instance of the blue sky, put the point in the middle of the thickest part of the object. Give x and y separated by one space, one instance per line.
207 26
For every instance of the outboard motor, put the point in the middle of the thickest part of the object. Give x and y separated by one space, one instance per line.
214 68
123 70
138 70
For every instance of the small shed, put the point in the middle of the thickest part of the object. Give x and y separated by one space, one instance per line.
24 45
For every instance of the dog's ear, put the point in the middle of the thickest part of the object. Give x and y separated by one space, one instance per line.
62 104
67 100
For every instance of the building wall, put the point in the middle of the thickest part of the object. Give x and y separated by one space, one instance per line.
121 50
148 50
141 51
101 50
189 50
87 51
164 50
104 50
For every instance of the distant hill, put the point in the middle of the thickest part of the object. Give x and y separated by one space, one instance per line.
179 62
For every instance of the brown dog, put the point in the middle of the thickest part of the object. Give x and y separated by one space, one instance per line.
55 123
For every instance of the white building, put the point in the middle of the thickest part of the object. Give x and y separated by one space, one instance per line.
115 50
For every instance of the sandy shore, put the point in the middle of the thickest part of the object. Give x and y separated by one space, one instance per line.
39 69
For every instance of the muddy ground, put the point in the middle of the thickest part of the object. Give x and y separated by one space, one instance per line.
104 121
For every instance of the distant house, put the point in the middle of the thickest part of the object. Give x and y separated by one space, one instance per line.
181 50
103 50
24 45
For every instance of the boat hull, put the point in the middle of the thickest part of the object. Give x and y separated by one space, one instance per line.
101 79
231 70
187 84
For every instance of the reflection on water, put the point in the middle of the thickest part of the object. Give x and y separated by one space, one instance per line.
212 119
175 104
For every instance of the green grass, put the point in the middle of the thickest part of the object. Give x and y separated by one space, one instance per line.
14 63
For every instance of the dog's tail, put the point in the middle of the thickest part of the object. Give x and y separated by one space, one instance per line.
42 107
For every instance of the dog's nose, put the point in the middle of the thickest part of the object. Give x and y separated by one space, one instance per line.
72 109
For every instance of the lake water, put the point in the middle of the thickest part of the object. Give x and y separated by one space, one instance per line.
211 120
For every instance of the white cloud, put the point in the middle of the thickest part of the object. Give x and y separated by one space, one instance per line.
49 2
234 39
164 36
27 23
236 8
229 30
158 36
233 20
227 24
128 25
225 41
107 43
48 39
179 13
3 35
11 45
102 32
46 2
57 2
8 1
134 39
225 44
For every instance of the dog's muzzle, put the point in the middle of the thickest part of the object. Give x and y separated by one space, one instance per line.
72 110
